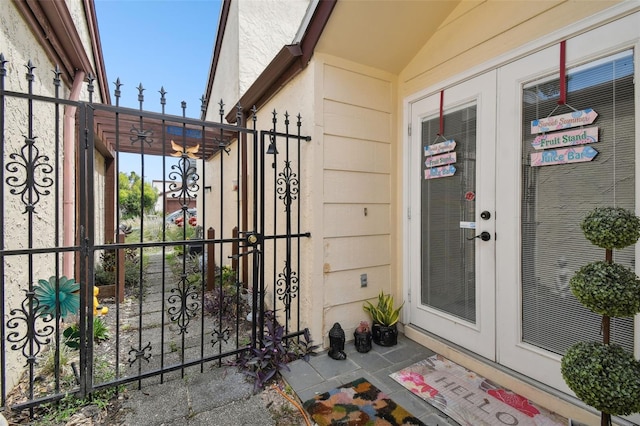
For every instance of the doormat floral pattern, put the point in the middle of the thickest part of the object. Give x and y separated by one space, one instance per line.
358 403
470 399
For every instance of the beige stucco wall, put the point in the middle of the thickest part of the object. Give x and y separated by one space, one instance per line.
265 26
225 84
18 45
255 32
221 203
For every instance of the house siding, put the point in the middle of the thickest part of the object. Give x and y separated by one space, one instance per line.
357 117
478 32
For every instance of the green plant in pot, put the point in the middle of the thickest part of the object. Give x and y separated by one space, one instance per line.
603 374
384 318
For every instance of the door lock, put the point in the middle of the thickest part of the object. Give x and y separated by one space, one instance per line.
484 236
486 215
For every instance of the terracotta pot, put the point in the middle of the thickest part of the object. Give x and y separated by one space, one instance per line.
385 335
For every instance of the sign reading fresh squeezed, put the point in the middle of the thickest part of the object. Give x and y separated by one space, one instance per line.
569 138
440 159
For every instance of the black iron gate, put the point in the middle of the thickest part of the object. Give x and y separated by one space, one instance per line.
186 283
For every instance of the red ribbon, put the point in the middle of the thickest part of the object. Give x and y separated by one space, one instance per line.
441 113
563 73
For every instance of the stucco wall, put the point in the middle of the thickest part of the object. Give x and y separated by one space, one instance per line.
19 45
225 84
221 202
265 26
255 32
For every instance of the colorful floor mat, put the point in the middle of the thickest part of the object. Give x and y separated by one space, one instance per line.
471 399
358 403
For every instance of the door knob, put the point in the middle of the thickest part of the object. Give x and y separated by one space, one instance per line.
484 236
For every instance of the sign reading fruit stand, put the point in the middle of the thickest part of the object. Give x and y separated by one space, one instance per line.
567 145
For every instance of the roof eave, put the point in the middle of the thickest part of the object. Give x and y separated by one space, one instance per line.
222 25
289 62
53 26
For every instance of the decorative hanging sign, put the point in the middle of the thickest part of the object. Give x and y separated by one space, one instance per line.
564 121
440 160
563 156
439 148
569 138
438 172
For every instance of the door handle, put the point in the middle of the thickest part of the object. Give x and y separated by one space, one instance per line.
484 236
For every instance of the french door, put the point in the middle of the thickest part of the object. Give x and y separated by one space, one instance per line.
541 201
505 295
454 174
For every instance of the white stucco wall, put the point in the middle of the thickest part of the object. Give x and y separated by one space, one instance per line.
19 45
256 31
265 26
225 84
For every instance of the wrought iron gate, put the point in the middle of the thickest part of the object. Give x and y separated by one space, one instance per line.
183 290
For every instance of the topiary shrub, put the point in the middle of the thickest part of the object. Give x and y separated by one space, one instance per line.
604 376
611 227
607 289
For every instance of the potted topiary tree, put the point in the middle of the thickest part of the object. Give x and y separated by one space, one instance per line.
603 374
384 318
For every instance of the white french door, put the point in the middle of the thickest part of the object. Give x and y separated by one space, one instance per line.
453 172
507 298
541 206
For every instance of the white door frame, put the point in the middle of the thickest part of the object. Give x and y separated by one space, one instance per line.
478 336
509 249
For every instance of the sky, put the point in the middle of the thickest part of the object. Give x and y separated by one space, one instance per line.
157 43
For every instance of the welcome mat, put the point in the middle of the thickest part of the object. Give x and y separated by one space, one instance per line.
358 403
471 399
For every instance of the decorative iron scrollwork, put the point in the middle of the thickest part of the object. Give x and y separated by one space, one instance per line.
184 310
287 185
184 176
31 169
287 288
220 336
136 354
140 135
25 319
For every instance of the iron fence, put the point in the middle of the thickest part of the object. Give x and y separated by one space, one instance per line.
181 293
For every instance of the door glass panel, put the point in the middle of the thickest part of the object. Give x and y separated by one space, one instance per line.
557 197
448 258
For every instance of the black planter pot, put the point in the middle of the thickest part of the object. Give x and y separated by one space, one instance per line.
362 341
385 335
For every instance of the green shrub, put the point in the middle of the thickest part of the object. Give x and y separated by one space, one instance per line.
105 272
611 227
604 376
607 289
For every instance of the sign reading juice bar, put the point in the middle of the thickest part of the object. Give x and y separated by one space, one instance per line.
567 146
